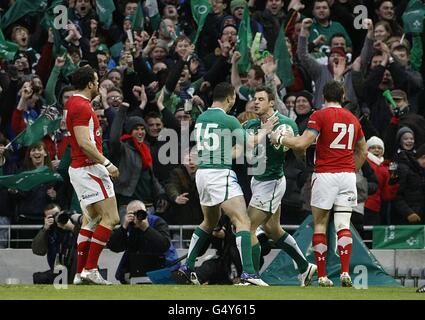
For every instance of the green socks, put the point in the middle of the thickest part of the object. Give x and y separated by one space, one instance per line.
243 242
199 237
256 255
288 244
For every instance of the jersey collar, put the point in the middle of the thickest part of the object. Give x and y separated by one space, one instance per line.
81 96
217 108
274 114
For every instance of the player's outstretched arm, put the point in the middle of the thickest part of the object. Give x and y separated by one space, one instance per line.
297 143
360 153
82 135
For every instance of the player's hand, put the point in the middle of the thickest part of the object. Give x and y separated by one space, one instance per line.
274 137
182 198
413 218
113 171
48 221
269 124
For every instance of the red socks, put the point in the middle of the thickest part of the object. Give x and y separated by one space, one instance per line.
98 242
345 245
83 246
320 247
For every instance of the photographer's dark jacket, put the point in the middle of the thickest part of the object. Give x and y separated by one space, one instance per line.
129 162
54 242
155 241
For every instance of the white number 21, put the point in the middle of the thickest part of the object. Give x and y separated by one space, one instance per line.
342 129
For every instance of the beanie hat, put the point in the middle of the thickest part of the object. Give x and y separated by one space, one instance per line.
375 141
420 151
401 132
133 122
237 4
338 50
305 94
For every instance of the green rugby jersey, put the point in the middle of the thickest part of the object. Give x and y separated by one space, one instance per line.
274 156
216 133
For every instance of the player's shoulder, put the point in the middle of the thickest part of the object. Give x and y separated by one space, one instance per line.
284 119
76 104
251 123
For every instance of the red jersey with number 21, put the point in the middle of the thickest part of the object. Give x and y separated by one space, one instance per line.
79 112
339 130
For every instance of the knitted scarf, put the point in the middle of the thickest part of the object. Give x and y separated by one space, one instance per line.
142 148
375 159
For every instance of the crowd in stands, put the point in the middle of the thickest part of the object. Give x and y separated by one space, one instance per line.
158 78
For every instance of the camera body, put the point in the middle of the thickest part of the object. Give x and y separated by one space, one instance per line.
141 215
62 218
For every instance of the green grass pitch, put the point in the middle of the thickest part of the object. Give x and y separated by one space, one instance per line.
181 292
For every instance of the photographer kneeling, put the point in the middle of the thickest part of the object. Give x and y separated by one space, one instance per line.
145 240
57 239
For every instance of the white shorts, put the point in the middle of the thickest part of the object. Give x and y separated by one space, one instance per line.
267 195
337 188
92 183
216 186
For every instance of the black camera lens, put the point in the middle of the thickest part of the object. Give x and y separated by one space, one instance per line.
141 214
63 218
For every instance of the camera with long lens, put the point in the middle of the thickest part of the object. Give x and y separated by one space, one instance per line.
140 214
62 217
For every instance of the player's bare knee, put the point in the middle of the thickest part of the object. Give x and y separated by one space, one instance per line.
207 226
241 222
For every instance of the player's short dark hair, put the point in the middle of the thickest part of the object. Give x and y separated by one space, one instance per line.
269 91
333 91
82 77
222 91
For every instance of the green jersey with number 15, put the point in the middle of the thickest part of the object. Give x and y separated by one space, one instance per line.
216 133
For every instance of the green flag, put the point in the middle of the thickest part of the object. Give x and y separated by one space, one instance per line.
35 132
282 271
283 60
138 20
153 13
200 10
104 9
8 49
413 17
27 180
22 8
244 42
